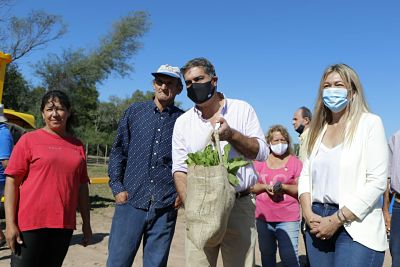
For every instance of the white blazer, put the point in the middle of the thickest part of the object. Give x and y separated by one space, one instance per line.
362 180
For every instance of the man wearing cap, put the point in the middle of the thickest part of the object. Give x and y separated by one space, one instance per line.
240 127
393 223
140 176
6 144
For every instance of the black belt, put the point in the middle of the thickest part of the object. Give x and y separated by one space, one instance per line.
243 193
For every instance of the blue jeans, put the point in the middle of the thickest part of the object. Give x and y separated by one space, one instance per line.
130 225
394 243
286 234
340 250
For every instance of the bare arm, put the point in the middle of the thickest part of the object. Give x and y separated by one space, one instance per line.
385 208
258 188
290 189
84 208
180 179
11 195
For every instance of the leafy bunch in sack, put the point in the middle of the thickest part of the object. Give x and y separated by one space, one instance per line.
209 157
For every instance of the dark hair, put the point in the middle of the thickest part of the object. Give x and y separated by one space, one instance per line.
200 62
63 98
305 112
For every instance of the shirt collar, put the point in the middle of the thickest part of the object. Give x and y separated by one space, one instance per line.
223 110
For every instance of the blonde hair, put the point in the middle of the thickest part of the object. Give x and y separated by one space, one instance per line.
284 132
355 107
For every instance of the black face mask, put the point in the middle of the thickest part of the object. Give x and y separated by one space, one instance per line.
300 129
200 92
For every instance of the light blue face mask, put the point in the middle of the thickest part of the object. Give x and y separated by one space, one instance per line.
335 98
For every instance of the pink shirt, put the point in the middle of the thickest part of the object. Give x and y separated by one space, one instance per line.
52 168
278 209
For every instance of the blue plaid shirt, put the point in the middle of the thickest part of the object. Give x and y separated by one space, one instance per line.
140 160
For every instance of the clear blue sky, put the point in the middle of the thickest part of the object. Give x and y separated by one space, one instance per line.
269 53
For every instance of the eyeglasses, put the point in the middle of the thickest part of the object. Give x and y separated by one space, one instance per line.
168 83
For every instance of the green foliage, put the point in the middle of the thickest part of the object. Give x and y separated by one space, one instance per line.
16 90
78 72
209 157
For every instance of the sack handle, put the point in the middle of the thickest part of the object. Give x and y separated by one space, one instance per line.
218 146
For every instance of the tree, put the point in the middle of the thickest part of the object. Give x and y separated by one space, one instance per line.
19 36
16 90
78 72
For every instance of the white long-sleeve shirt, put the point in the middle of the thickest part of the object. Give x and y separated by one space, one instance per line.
192 133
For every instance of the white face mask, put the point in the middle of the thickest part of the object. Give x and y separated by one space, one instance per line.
279 149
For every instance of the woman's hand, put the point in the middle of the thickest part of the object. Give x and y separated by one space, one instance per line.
87 234
269 189
313 220
13 236
327 227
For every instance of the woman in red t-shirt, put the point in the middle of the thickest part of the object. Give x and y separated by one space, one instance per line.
46 182
277 207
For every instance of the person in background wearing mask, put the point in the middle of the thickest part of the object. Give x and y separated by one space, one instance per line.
277 207
6 145
344 176
240 127
140 176
301 122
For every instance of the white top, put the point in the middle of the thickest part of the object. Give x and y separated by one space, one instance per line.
363 172
325 173
394 162
192 133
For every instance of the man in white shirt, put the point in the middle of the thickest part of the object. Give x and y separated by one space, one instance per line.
240 127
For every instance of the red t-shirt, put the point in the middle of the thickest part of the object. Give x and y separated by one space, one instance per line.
52 168
280 208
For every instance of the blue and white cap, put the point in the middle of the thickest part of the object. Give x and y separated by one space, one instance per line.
170 71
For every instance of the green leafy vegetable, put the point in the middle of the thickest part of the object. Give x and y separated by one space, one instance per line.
209 157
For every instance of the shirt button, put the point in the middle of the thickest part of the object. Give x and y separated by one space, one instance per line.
156 142
162 117
151 181
152 167
155 153
158 129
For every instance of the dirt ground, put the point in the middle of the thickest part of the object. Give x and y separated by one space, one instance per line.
96 253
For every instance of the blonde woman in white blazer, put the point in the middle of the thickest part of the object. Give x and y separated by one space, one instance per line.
344 176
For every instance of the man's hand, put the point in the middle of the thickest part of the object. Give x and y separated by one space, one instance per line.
13 236
225 131
388 220
178 202
121 197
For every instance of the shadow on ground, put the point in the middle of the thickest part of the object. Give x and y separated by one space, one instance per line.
96 238
97 201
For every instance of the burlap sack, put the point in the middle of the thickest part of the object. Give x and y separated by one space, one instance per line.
209 201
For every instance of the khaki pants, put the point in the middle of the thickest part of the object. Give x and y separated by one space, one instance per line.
238 245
